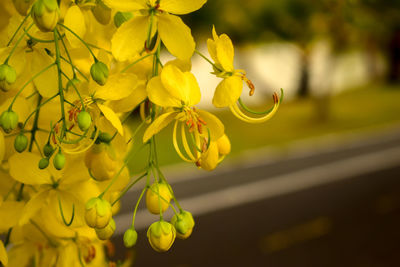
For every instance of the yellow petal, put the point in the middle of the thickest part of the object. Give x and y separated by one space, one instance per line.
33 206
24 168
159 95
176 36
183 65
126 5
216 127
181 85
209 159
180 7
158 124
128 41
2 146
75 20
225 53
227 92
47 83
117 87
112 117
11 211
3 254
138 95
212 50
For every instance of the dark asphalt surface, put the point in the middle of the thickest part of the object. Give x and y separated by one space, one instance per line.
352 222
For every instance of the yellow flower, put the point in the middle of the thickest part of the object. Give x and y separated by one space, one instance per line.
161 235
130 38
230 88
101 162
178 92
3 254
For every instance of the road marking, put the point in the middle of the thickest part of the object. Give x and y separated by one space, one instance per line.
274 186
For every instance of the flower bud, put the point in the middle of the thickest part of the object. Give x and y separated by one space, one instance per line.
43 163
22 6
99 72
48 150
106 232
121 17
20 143
8 120
100 160
161 235
45 14
224 145
102 13
183 224
7 77
209 158
98 213
71 83
104 137
59 160
153 201
84 120
130 237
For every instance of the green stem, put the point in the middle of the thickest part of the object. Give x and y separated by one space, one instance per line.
77 69
60 86
37 109
35 125
127 188
76 90
19 27
51 242
209 61
68 55
150 30
136 207
16 44
80 39
38 39
28 82
135 62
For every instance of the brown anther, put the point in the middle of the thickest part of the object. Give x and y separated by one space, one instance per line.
91 254
70 114
189 122
76 113
53 138
56 128
146 48
70 127
157 6
251 86
198 163
110 249
275 97
200 127
202 121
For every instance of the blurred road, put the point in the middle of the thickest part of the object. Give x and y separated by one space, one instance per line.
337 207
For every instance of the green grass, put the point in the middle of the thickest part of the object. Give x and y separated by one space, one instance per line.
354 110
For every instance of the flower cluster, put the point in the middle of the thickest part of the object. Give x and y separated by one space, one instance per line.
71 74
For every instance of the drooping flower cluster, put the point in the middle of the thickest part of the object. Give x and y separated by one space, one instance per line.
72 72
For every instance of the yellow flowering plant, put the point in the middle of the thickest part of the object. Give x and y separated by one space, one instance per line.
71 73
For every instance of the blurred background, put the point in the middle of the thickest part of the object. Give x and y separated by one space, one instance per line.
318 184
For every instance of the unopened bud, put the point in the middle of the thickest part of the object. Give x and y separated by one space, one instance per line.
161 236
84 120
104 137
8 120
20 143
102 13
45 14
59 160
48 150
7 76
106 232
43 163
99 72
224 145
98 213
130 237
158 197
183 224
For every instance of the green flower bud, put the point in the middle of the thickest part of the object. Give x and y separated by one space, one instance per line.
45 14
20 143
59 160
43 163
102 13
9 120
98 213
161 235
7 77
183 224
153 201
71 83
106 232
130 237
121 17
48 150
84 120
22 6
104 137
99 72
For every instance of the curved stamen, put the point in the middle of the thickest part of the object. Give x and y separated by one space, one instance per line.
185 143
176 146
62 213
